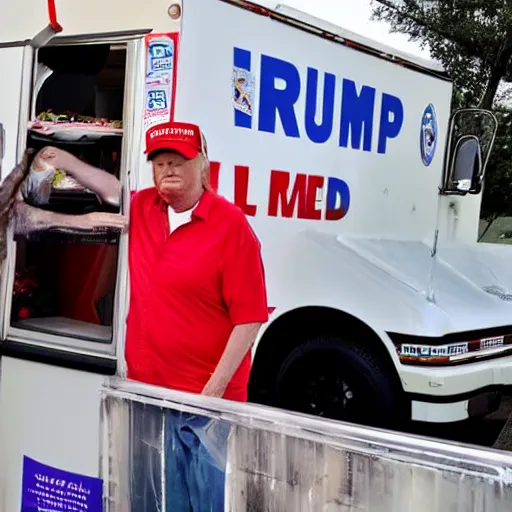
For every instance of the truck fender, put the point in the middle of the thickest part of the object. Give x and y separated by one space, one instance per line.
288 329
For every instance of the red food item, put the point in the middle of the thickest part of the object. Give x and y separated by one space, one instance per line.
24 313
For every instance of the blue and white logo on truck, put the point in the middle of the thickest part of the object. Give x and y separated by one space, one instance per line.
428 134
365 119
157 100
243 90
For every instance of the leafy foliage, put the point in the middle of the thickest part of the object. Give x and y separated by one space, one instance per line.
472 38
473 41
497 198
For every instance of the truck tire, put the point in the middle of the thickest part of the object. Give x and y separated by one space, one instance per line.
339 379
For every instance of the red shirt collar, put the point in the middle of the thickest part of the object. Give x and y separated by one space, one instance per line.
202 209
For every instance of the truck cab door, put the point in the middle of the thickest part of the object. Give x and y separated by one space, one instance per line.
17 62
53 363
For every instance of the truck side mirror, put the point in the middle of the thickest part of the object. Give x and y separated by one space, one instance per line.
466 167
472 134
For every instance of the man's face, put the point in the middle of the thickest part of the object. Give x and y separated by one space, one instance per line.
174 174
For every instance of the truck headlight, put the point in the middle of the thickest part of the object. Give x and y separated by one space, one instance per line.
452 353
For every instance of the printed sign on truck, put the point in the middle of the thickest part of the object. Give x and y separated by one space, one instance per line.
49 489
160 78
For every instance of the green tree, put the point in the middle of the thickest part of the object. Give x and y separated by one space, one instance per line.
497 197
472 38
473 41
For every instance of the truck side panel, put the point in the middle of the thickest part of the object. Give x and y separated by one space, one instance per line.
339 127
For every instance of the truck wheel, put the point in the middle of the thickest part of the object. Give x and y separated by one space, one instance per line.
337 379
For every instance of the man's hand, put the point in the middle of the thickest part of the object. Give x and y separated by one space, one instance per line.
55 157
241 339
213 389
100 220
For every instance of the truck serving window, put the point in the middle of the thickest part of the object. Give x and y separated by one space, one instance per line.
65 279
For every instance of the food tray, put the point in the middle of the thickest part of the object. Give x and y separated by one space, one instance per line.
73 132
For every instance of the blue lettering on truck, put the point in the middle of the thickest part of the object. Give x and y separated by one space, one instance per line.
280 88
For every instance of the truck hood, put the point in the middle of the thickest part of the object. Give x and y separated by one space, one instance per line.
396 286
470 284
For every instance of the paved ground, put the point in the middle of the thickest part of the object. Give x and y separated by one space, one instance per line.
482 432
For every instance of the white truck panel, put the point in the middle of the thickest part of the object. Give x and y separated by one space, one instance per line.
83 18
116 15
391 194
375 262
51 414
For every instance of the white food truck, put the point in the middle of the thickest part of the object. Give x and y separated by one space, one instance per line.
364 192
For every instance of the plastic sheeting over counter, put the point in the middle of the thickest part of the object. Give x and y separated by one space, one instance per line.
280 462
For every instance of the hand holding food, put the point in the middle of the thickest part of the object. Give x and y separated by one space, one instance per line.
37 186
38 179
47 172
57 158
8 190
56 169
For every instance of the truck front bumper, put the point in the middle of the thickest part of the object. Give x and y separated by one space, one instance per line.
456 393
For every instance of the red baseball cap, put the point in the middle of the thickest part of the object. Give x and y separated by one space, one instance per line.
184 138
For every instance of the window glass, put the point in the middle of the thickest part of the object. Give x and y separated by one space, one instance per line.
66 246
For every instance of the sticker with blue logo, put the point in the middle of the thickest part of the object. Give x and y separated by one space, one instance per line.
428 135
160 62
157 100
160 67
243 90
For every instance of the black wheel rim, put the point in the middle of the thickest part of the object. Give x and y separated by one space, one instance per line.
323 384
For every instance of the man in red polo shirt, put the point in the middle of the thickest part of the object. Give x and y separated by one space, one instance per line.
197 301
197 284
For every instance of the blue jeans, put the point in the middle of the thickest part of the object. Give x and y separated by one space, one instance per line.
195 462
195 453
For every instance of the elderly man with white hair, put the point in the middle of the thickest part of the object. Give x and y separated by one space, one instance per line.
198 299
195 262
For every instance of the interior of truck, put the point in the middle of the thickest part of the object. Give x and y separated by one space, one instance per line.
65 280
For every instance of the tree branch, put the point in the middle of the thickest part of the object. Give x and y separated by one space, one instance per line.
498 71
465 42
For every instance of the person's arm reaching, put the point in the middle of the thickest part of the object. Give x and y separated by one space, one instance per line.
104 184
28 219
